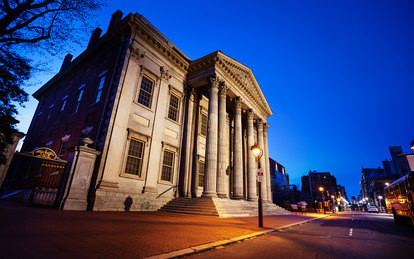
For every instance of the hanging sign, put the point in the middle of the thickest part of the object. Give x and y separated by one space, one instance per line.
260 175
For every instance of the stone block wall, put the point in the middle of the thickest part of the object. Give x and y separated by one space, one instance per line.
113 200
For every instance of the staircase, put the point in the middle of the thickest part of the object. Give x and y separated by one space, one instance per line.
218 207
194 206
241 208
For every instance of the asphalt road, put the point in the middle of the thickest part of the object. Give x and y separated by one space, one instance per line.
345 235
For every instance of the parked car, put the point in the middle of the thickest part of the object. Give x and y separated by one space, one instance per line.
373 209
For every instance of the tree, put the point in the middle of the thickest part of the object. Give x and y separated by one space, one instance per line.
14 70
46 23
38 25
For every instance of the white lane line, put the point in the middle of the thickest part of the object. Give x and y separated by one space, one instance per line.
350 232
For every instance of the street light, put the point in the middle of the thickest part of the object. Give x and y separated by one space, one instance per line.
258 152
323 199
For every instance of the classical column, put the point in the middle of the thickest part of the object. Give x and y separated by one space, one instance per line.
238 149
221 173
266 155
194 149
210 173
189 146
262 159
251 162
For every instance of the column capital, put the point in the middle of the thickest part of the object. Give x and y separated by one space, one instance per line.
250 114
265 126
223 88
213 82
193 95
237 103
260 123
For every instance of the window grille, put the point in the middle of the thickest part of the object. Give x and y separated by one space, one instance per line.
78 100
134 159
99 89
174 107
145 92
201 173
203 130
167 166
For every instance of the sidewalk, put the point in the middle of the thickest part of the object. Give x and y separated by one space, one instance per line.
30 232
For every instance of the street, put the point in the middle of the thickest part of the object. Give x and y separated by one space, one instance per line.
343 235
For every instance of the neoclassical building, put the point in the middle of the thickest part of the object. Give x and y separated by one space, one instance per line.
162 125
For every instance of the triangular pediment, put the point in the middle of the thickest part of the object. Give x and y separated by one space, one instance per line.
244 76
240 75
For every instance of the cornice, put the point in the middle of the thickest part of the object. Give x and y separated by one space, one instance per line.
148 33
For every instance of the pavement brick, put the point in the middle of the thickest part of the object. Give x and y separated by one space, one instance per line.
116 234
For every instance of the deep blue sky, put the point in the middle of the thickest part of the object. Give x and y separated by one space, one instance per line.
338 75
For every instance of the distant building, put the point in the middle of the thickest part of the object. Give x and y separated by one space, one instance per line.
340 191
279 177
373 180
402 163
313 181
283 193
367 176
389 168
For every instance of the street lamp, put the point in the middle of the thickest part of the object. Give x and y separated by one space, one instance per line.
333 203
380 202
323 199
258 152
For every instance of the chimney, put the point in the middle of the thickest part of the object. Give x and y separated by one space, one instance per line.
95 36
115 19
66 62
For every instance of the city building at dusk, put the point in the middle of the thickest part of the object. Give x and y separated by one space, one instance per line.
162 125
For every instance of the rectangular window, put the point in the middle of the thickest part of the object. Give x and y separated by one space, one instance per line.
203 130
201 173
167 166
49 112
62 108
134 159
62 148
77 102
145 92
174 107
99 88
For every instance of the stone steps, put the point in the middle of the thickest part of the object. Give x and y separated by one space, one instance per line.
194 206
242 208
219 207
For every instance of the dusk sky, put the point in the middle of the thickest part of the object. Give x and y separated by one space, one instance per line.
338 75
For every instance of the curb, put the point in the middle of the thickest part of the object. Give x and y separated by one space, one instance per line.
209 246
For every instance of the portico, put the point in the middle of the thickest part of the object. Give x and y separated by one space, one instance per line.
219 163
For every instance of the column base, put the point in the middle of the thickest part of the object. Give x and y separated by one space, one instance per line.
222 195
251 199
209 194
237 197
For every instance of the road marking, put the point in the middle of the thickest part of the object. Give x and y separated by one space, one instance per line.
350 232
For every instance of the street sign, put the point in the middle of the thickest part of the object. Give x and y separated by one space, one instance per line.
260 175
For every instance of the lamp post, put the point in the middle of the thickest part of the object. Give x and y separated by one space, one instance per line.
323 199
333 203
258 152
